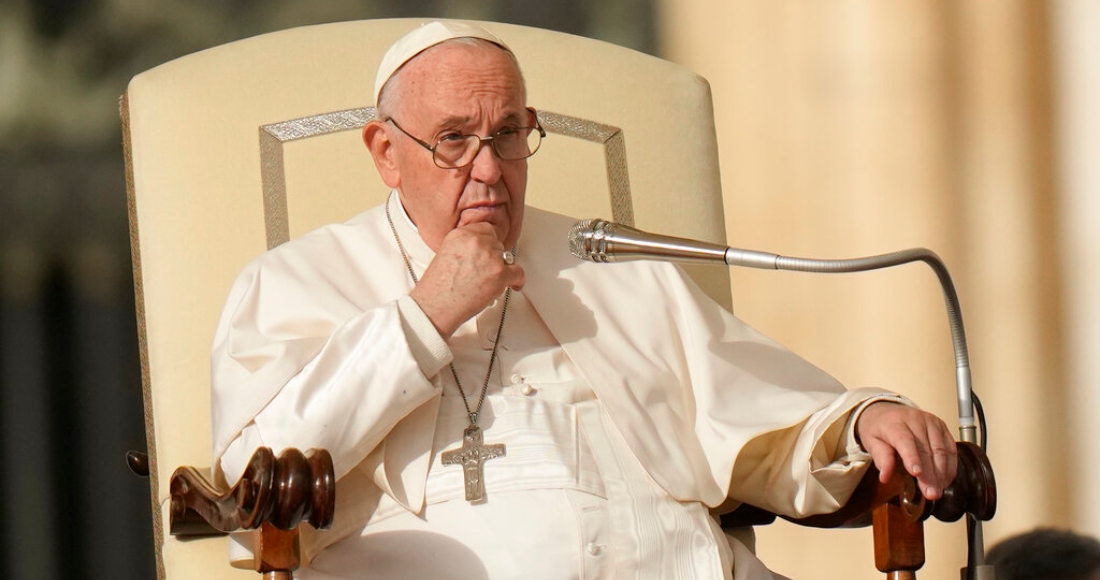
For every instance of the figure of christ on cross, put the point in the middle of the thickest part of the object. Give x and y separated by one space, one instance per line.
472 457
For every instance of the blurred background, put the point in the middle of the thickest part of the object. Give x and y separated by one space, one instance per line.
845 128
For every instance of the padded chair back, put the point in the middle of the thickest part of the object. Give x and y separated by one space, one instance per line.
235 149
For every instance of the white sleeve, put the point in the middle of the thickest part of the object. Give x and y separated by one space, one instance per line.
373 371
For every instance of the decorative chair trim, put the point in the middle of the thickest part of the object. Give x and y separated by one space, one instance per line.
273 170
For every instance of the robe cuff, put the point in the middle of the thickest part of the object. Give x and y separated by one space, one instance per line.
427 346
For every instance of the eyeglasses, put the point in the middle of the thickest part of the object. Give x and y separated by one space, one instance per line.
510 144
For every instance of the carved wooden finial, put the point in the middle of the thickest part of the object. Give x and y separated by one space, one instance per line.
283 492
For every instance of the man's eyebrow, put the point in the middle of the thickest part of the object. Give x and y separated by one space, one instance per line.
509 120
460 120
453 121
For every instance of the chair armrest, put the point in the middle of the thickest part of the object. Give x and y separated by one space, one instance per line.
974 491
282 492
274 495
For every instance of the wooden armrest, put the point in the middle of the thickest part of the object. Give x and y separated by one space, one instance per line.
896 510
281 491
274 495
974 491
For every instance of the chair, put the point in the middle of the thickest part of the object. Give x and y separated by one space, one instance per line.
235 149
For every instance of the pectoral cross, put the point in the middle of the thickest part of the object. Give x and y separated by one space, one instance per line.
472 458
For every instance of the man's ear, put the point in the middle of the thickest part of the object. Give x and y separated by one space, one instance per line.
376 137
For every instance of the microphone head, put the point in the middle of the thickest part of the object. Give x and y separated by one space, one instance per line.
581 242
606 242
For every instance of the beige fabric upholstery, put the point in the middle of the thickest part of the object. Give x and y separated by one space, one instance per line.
236 148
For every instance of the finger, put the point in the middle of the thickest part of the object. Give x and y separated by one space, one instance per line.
884 458
920 463
914 457
486 236
516 278
941 461
473 239
929 488
944 454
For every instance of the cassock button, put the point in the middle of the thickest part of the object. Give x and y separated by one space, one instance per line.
594 548
528 390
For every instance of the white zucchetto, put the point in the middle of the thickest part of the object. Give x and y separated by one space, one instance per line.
422 38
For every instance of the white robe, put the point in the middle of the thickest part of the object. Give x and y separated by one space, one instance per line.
710 408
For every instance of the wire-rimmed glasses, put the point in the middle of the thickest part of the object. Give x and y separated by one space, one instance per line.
509 144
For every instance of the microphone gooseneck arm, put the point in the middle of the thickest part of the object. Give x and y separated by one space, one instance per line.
607 242
763 260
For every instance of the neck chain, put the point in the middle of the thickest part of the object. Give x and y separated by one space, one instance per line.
473 452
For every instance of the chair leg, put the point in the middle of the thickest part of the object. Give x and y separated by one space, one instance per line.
899 541
276 552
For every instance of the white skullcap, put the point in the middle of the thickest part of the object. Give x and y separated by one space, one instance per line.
422 38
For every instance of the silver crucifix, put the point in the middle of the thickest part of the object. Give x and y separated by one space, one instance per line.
472 457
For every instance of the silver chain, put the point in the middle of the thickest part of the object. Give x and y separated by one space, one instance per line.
474 414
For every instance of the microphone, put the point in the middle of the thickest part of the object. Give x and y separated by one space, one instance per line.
601 241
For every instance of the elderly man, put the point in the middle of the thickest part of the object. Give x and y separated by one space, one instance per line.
494 407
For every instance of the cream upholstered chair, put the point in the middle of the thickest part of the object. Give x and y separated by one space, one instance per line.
232 150
236 149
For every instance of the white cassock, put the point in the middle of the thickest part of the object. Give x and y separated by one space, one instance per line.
630 405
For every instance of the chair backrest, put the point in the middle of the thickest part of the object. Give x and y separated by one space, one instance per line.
237 148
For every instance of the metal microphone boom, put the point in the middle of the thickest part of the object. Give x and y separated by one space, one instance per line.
597 240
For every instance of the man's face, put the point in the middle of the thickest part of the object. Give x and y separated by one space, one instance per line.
463 89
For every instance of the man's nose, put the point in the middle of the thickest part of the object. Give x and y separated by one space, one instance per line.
486 165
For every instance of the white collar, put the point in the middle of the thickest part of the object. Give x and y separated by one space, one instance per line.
420 255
